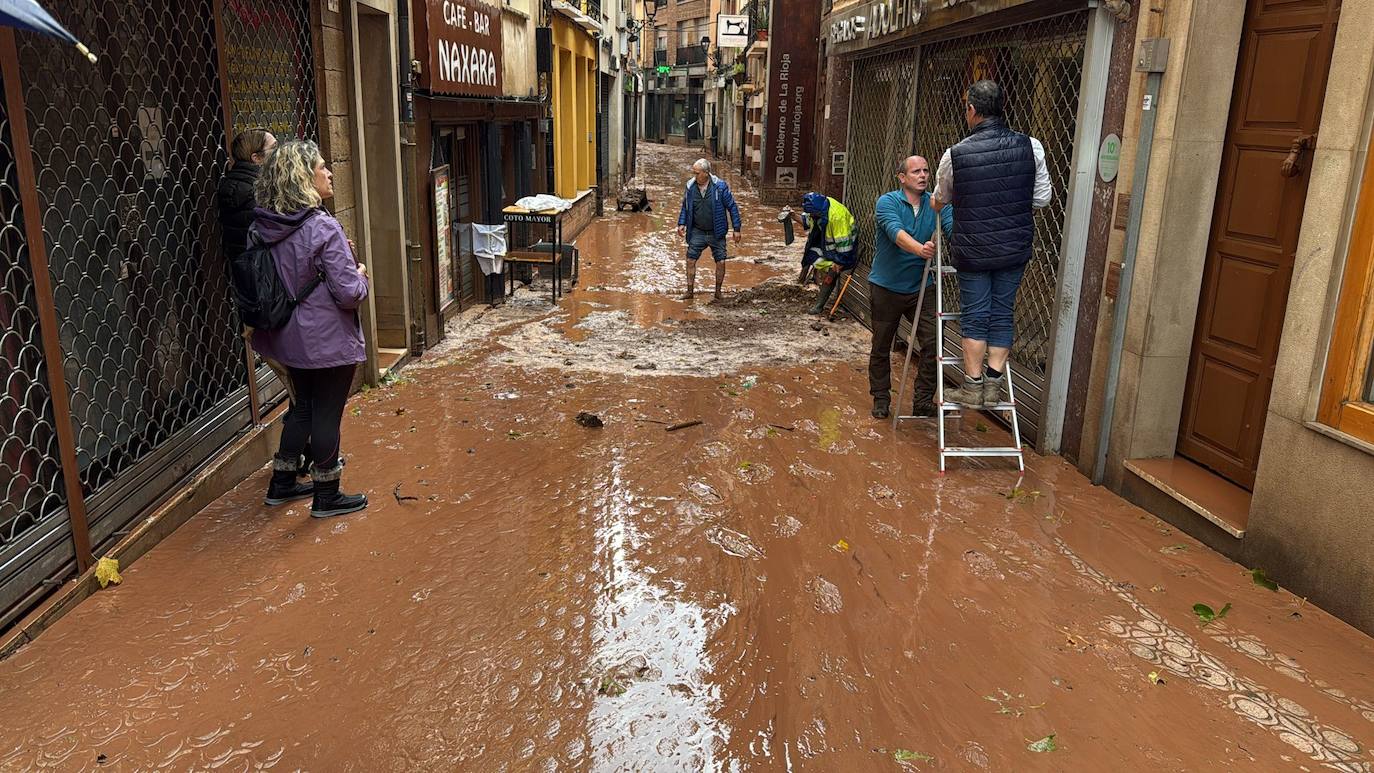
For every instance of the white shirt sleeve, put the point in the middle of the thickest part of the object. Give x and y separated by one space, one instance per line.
944 179
1043 190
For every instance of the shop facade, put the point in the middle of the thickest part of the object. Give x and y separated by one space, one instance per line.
480 138
894 76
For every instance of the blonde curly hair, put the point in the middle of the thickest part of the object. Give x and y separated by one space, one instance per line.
287 181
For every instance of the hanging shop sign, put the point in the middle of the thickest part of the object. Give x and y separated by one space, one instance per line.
791 114
464 47
732 31
879 22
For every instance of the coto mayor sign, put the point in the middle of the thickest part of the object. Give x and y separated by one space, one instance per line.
464 47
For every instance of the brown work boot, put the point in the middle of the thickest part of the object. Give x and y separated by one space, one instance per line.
970 395
992 389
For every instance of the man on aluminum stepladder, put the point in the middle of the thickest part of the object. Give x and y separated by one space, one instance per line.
997 178
830 242
905 240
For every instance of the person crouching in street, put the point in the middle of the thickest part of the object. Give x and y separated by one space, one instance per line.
322 343
708 213
830 242
997 178
905 240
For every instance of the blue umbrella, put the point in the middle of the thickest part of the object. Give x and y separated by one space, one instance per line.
29 15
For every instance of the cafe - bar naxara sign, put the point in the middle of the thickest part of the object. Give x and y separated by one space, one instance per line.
464 47
878 21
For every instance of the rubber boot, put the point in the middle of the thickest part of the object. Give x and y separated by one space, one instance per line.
328 501
827 288
284 487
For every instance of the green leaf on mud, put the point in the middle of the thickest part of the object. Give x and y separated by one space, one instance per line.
746 466
981 427
611 687
513 435
1261 578
906 755
1019 494
1045 744
1207 615
1172 549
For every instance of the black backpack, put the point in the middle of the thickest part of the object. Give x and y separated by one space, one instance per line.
263 301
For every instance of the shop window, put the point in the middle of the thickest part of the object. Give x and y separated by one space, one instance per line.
1347 402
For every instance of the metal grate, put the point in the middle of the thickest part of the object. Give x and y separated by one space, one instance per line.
880 135
1040 65
269 62
31 508
127 154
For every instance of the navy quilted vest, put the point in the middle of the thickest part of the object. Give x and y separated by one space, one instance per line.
994 190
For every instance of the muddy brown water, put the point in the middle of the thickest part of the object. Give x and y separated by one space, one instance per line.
787 586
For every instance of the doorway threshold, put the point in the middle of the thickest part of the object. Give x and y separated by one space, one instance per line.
1211 496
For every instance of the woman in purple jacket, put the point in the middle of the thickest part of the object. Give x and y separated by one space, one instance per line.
322 344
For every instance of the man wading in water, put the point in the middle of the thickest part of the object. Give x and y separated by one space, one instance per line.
708 213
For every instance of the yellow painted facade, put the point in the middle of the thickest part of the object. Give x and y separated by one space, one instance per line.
574 108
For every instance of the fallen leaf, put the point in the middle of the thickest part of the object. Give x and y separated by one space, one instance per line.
1156 588
1155 678
611 687
513 435
1171 549
906 755
1207 615
746 466
981 427
107 571
1045 744
1261 578
841 546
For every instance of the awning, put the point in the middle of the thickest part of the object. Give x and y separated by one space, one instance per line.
29 15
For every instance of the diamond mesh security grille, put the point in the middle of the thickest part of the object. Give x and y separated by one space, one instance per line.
127 154
880 135
1039 64
270 66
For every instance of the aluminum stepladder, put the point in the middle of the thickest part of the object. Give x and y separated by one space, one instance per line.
944 410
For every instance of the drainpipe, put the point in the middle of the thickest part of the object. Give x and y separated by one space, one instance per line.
412 217
1151 59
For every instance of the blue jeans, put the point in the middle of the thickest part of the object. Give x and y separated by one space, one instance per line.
698 241
987 300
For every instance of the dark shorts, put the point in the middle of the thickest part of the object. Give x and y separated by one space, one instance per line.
698 241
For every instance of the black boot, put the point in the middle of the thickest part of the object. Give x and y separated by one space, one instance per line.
328 501
882 406
284 487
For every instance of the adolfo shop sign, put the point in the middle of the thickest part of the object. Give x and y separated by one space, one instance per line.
464 47
879 22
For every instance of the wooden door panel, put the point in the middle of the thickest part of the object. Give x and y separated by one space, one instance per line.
1280 103
1281 77
1253 177
1243 289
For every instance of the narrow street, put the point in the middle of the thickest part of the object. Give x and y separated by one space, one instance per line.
788 585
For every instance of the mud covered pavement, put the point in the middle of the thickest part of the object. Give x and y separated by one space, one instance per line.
785 586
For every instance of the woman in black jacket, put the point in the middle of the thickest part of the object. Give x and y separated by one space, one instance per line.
236 202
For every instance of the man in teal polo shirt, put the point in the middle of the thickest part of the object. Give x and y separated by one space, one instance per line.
904 242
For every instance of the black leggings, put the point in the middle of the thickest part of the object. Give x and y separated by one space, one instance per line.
317 413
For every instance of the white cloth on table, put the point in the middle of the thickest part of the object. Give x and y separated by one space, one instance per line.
543 202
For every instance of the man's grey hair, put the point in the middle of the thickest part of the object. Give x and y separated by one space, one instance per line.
987 98
701 165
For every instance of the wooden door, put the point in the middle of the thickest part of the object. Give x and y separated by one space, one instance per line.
1281 75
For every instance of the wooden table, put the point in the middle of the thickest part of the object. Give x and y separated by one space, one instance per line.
553 257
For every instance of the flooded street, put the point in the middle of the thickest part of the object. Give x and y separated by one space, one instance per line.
787 585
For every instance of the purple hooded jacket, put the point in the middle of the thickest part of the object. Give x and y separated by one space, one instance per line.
324 330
